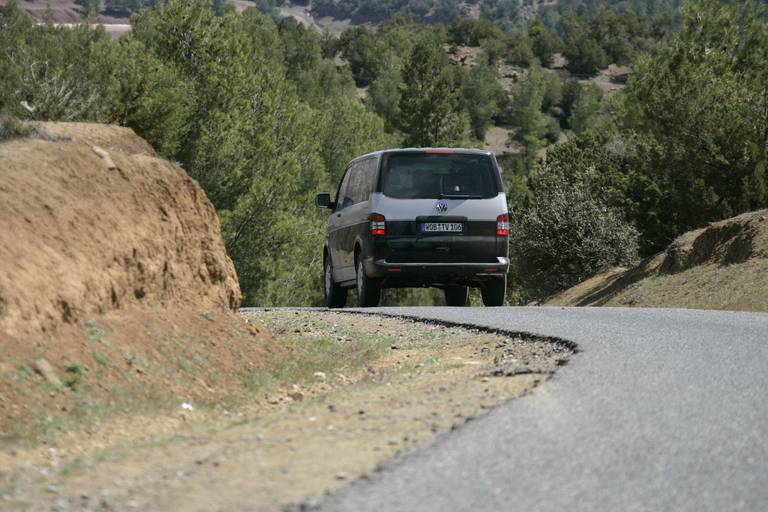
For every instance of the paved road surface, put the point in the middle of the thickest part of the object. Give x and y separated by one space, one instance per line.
661 410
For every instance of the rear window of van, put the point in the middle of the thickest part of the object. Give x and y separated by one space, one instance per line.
423 175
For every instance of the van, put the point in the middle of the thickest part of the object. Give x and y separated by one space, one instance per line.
425 217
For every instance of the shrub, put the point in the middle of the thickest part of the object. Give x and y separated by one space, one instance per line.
12 128
565 236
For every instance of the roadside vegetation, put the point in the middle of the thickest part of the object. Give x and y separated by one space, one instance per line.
264 112
12 128
349 393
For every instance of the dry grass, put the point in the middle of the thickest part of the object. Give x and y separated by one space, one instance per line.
351 392
723 266
737 287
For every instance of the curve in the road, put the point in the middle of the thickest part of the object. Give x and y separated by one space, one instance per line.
660 410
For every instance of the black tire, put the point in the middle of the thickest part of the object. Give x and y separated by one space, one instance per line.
494 291
457 295
368 290
335 295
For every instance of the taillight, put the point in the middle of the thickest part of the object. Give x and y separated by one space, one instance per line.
378 224
502 225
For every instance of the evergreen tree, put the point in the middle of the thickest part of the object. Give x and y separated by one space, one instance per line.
428 101
384 97
527 102
480 90
543 42
702 97
585 55
584 108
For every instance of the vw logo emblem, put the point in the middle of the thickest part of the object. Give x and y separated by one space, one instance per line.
441 207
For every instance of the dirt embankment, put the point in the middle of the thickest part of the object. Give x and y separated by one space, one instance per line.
352 391
113 275
722 266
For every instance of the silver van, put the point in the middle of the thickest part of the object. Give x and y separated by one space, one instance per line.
417 218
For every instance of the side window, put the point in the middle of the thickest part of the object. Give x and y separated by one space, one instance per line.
361 183
357 184
342 198
366 179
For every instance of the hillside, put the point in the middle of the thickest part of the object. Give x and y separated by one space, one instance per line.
723 266
114 281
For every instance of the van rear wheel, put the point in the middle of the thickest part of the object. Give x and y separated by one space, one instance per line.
335 295
368 290
457 295
494 291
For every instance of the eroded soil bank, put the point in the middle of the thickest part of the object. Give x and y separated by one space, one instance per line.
352 391
115 285
722 266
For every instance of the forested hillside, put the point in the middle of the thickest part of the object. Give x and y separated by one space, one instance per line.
264 113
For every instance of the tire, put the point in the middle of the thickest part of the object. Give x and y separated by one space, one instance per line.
494 292
457 295
335 295
368 290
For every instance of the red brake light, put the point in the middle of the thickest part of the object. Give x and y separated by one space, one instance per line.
502 225
378 224
439 151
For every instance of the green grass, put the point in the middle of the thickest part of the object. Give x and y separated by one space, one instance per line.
94 332
25 372
100 358
75 375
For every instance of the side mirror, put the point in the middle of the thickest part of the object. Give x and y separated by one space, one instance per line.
323 201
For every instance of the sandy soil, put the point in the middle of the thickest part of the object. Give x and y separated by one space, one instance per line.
611 79
101 304
295 440
498 139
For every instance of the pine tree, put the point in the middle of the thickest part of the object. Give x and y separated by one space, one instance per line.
428 101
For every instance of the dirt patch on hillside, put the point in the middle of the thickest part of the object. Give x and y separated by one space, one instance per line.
353 391
466 56
499 140
64 12
61 11
611 79
113 281
722 266
509 75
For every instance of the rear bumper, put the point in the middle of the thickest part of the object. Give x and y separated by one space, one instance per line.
424 273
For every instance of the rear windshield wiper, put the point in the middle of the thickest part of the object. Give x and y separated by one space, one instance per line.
459 196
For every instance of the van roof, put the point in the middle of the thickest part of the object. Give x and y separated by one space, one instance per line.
425 150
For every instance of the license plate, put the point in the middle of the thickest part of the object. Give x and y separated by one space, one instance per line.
442 227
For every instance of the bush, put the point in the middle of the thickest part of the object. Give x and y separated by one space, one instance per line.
553 130
565 236
12 128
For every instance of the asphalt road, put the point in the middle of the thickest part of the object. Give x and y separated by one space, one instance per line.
660 410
